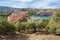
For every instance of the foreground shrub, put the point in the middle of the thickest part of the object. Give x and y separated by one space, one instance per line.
41 24
38 25
51 29
30 26
7 28
21 26
58 31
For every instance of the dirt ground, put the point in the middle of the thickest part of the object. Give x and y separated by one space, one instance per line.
22 36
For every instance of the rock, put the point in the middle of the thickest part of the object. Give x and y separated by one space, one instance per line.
17 32
2 37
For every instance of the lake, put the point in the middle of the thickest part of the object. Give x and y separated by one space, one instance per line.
39 17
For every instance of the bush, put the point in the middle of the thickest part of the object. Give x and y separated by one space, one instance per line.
57 31
54 28
2 29
41 24
7 28
51 29
21 26
30 27
38 25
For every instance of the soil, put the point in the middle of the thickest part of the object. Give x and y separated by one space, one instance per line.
22 36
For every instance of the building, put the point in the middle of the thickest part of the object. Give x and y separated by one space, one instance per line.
22 16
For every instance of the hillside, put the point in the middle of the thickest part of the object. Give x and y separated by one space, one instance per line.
6 8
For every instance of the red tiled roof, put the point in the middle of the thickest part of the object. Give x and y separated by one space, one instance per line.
16 16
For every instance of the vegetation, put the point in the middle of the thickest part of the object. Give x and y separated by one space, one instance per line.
51 25
30 13
7 28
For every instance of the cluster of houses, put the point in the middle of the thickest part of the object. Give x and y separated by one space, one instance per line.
17 16
44 13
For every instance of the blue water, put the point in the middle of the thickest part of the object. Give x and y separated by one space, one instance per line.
39 17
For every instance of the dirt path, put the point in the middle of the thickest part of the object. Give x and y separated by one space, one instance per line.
43 37
30 37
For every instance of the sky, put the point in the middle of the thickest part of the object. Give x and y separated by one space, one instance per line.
31 3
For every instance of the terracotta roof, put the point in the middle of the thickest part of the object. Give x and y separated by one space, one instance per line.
16 16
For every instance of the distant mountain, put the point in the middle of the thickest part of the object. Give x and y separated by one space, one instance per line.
20 9
6 8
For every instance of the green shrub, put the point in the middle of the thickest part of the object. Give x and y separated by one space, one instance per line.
41 24
51 29
38 25
30 26
7 28
2 29
57 31
21 27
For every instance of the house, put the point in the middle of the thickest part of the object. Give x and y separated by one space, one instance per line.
17 16
44 13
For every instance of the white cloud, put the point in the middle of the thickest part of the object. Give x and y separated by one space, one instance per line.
46 4
34 4
49 7
49 0
22 0
40 4
16 5
26 0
